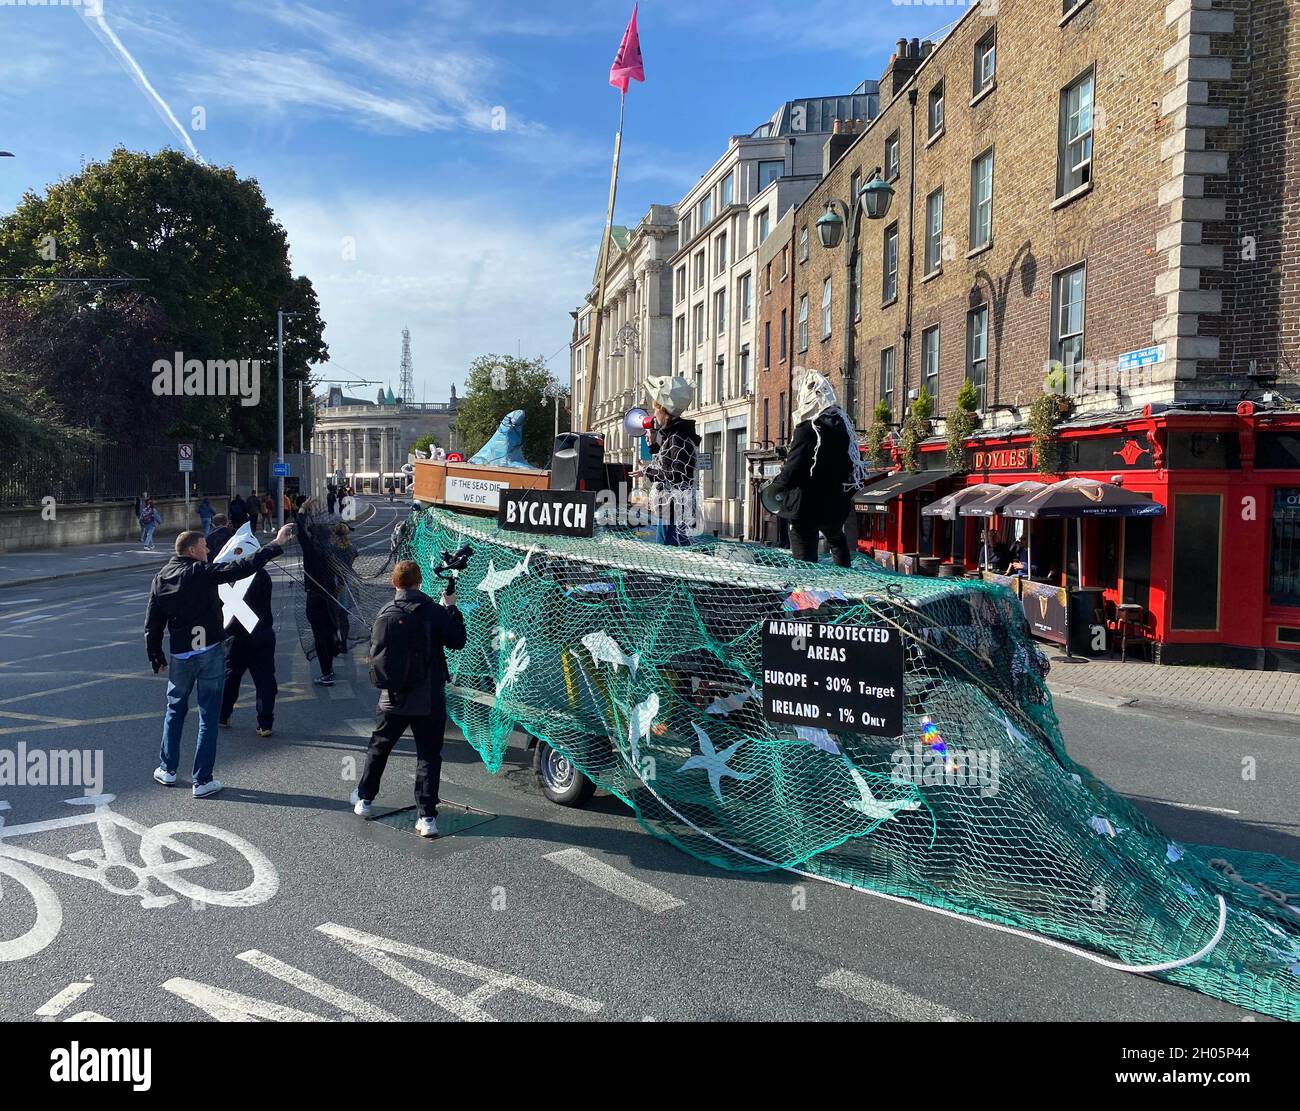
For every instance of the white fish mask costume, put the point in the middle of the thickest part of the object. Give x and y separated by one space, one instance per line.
233 607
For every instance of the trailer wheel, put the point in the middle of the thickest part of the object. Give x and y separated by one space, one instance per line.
559 780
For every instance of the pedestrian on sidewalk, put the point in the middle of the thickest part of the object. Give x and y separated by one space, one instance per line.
268 513
330 498
150 519
409 667
237 511
253 652
206 513
254 506
184 600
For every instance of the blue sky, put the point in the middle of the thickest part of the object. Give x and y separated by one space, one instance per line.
374 120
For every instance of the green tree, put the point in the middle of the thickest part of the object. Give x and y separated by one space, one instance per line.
425 443
216 263
500 384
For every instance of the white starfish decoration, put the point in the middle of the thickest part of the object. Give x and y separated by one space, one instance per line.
714 762
867 803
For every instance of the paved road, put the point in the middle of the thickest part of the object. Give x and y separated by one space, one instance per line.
526 910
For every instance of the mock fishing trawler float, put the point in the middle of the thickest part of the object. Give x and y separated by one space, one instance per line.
889 733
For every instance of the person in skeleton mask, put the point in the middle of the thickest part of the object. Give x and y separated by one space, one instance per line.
821 471
672 470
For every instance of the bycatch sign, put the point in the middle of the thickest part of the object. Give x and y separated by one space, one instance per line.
549 512
845 678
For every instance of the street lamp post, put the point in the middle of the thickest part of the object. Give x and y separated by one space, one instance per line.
279 407
873 199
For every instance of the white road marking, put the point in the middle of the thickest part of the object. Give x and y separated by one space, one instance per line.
233 1006
304 981
1207 809
375 950
618 883
65 999
885 997
35 617
19 601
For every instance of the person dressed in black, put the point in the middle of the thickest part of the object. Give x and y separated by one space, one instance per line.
237 511
675 448
422 705
319 578
330 498
252 651
219 537
821 471
994 554
252 506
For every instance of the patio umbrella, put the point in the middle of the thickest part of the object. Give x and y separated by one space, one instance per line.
947 506
1083 497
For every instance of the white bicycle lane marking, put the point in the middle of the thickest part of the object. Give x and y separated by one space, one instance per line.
111 868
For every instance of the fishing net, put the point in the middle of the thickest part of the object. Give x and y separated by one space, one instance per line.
642 665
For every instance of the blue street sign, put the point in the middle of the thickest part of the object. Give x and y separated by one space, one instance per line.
279 470
1148 356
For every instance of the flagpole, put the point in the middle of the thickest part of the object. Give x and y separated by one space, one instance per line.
602 266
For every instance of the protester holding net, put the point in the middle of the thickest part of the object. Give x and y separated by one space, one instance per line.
319 582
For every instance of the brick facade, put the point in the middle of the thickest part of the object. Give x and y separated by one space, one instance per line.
1194 146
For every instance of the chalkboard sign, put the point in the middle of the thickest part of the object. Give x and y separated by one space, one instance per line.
549 512
847 678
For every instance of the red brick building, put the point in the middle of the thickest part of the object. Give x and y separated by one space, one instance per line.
1113 187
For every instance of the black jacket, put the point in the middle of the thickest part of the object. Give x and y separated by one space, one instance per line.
822 498
318 568
237 512
676 454
183 599
446 628
258 598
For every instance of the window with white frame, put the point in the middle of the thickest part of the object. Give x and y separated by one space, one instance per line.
719 378
746 296
887 376
985 62
744 370
857 285
706 211
803 323
781 338
699 324
977 351
889 283
1074 154
681 333
686 230
981 200
681 282
699 269
720 253
934 111
892 157
934 231
728 191
803 243
826 309
1067 316
762 226
720 310
930 361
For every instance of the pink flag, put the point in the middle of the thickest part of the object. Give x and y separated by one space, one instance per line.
627 64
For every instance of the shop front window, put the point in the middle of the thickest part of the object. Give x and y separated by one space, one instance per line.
1284 548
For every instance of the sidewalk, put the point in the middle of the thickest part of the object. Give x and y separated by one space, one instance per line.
1136 681
28 568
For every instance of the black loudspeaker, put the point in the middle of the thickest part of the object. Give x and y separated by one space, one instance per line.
578 461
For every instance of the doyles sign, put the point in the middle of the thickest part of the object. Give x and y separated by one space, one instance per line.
549 512
1008 459
847 678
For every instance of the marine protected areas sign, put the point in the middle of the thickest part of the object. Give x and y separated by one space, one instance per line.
839 677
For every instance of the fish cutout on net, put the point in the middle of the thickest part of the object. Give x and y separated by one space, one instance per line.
733 701
818 738
496 580
604 649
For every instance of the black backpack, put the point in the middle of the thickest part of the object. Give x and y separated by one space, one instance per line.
399 658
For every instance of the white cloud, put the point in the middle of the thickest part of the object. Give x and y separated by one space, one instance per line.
468 276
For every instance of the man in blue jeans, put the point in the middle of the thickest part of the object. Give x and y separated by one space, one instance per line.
184 601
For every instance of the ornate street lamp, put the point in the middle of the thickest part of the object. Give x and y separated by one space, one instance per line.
872 200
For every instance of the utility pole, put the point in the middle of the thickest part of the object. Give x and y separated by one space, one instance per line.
279 413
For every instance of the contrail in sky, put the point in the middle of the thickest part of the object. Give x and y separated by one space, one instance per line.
93 13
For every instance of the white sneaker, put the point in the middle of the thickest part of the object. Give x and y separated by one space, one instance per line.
360 806
163 776
211 787
427 827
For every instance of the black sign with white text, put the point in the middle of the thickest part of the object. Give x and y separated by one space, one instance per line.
846 678
549 512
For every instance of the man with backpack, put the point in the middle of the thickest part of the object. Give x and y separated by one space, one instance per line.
409 667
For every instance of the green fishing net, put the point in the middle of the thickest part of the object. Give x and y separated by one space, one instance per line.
642 665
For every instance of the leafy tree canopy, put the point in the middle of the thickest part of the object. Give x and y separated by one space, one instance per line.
217 268
499 384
